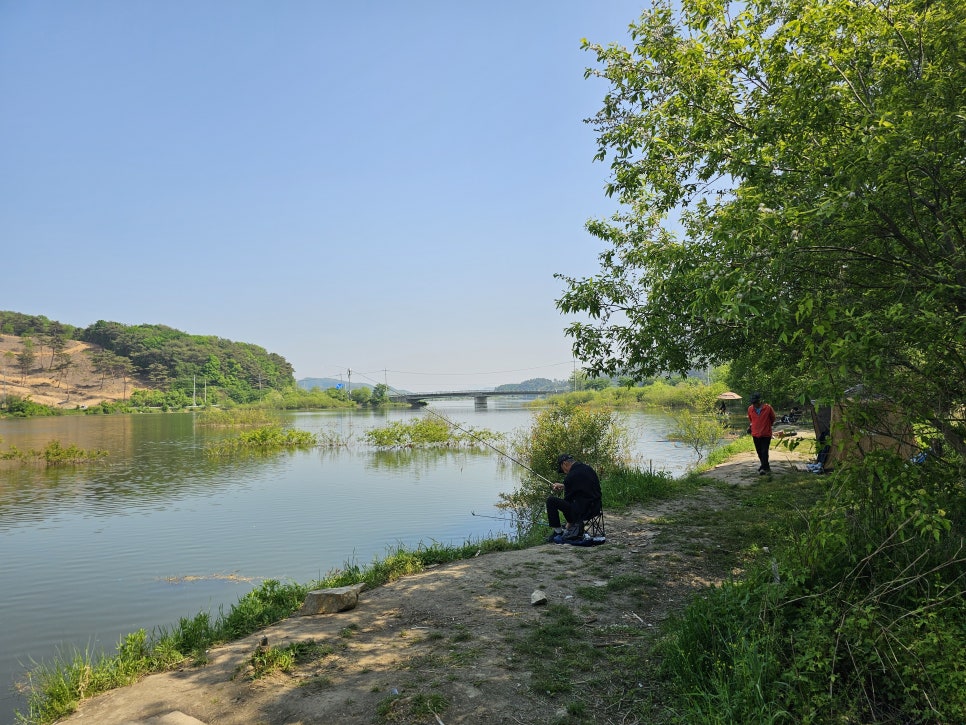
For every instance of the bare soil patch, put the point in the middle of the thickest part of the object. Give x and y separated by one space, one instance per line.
454 632
77 386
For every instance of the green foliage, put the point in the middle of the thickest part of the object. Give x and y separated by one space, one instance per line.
298 399
265 661
20 407
428 432
54 690
380 395
625 487
861 617
792 191
265 439
702 429
53 454
242 372
658 393
166 400
17 323
596 437
236 418
361 396
106 407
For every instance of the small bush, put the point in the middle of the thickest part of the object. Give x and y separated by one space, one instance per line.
597 438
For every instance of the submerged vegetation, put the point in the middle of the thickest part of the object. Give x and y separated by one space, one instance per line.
53 454
429 432
264 439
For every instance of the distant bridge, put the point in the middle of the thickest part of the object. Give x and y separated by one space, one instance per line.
417 400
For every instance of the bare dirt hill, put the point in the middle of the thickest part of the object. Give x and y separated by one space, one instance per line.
79 385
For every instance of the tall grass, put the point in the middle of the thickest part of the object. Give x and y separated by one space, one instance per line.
860 617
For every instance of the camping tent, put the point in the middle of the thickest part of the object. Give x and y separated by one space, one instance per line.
851 432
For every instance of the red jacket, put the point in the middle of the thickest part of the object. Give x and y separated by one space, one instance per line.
761 422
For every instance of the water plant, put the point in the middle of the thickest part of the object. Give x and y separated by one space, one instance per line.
236 418
265 439
53 454
429 432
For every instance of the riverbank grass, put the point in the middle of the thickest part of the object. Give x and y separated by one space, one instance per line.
55 689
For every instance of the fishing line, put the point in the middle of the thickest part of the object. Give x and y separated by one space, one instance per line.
510 519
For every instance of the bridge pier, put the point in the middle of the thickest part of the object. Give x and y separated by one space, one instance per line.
479 402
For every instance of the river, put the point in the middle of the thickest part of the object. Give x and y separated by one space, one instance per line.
158 531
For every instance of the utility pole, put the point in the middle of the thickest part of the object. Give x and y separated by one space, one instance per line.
348 387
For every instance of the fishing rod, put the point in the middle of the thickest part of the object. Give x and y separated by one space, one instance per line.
510 519
473 435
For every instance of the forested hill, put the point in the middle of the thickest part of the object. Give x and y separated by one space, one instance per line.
167 358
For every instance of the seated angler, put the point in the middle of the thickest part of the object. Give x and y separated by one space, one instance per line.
581 489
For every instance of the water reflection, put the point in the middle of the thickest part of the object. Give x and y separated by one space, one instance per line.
114 532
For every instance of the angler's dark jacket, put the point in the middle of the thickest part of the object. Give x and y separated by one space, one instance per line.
582 488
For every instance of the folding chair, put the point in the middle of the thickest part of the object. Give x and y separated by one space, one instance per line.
594 520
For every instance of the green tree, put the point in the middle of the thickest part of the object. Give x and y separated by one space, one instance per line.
361 396
380 395
26 358
793 188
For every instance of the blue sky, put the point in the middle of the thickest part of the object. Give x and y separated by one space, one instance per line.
386 187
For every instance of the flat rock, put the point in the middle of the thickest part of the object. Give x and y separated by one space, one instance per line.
175 717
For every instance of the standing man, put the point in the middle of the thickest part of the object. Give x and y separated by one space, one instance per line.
761 417
581 488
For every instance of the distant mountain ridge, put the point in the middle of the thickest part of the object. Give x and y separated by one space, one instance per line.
326 383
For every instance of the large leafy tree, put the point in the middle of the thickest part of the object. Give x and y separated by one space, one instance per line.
791 177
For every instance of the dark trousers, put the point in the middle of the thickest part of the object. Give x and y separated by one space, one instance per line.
761 448
556 506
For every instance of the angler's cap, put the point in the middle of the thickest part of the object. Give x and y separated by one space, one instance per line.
756 397
561 458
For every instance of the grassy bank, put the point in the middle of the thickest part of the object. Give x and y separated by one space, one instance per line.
54 689
810 621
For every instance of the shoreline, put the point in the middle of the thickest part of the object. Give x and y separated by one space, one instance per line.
459 611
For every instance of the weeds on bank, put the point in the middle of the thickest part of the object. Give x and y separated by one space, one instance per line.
267 660
55 689
399 708
859 617
612 671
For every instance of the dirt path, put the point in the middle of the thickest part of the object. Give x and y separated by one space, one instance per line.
447 631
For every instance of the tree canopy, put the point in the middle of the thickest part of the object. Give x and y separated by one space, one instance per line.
180 361
791 181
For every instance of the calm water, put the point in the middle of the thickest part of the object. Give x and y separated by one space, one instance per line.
157 531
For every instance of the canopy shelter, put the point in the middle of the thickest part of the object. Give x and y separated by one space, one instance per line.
729 396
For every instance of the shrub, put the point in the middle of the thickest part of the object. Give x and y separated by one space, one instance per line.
862 618
597 438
